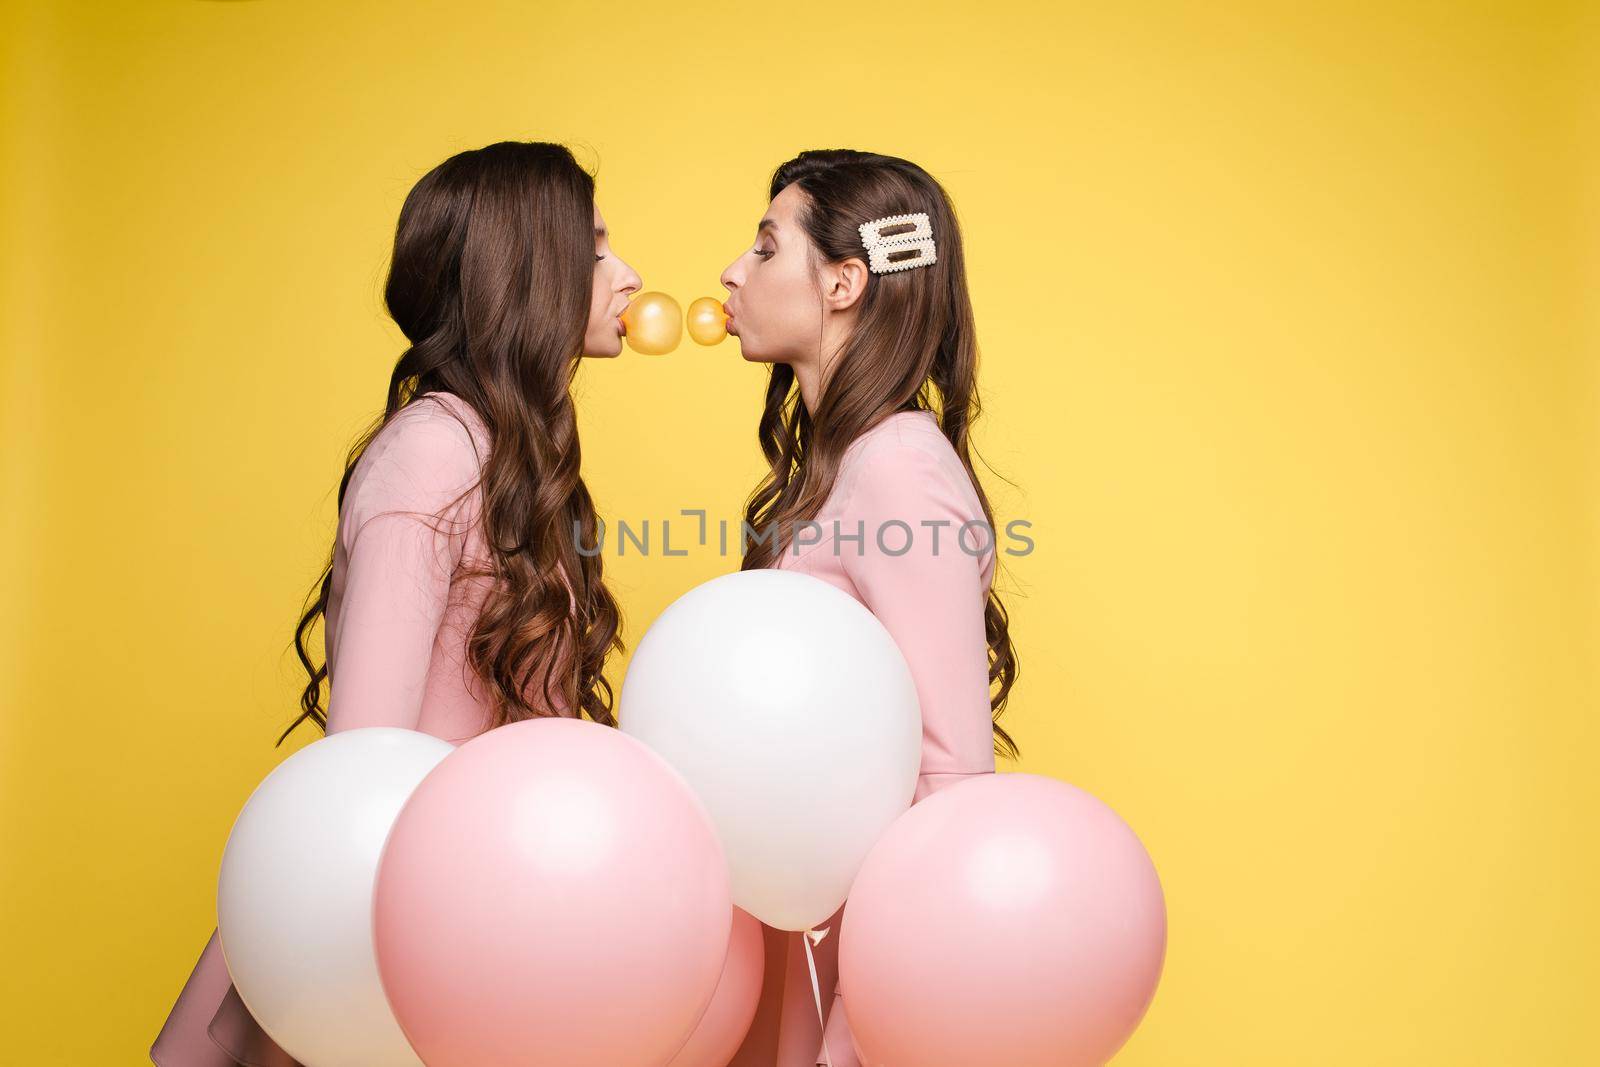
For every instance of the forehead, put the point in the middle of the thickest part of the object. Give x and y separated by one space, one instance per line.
786 206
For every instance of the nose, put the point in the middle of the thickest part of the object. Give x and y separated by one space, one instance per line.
631 282
731 278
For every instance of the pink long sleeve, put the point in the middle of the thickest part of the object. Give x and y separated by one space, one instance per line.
401 544
931 600
395 622
930 597
902 479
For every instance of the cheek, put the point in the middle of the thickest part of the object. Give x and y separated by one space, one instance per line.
771 290
597 306
790 301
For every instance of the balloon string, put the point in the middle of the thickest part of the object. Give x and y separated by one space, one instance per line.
812 937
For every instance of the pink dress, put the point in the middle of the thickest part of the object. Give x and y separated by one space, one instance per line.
904 490
397 621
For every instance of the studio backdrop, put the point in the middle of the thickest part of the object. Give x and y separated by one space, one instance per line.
1287 333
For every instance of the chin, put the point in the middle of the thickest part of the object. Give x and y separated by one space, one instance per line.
603 352
752 356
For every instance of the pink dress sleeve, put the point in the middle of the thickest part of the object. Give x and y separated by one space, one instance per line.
402 542
392 579
931 600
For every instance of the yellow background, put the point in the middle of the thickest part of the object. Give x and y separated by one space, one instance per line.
1286 348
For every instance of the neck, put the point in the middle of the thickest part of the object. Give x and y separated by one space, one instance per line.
813 372
808 375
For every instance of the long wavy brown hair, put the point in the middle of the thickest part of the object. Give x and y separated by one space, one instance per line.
490 281
913 348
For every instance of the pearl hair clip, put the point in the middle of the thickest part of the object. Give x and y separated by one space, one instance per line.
918 239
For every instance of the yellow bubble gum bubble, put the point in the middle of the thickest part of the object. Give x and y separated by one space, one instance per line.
654 324
708 322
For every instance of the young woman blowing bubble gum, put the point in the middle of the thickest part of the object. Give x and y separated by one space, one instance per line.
455 599
855 292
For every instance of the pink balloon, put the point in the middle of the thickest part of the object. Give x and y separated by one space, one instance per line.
552 893
1011 919
733 1005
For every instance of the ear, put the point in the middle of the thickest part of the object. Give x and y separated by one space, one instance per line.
844 283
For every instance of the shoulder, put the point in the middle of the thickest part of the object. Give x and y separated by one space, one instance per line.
441 407
906 460
906 486
428 442
425 457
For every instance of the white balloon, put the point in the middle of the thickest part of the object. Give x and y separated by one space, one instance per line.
294 897
789 709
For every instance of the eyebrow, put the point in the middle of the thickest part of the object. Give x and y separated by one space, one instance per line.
766 224
599 231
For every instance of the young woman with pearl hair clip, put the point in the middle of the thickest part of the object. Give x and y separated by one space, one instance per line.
855 294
